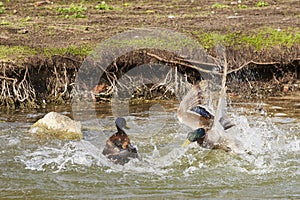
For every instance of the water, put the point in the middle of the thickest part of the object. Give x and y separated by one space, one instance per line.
36 169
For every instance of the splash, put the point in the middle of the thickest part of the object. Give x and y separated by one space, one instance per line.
273 149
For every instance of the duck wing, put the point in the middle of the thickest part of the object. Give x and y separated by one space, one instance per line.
201 111
227 124
192 111
121 156
110 149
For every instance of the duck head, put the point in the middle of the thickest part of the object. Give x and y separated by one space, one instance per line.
196 135
121 123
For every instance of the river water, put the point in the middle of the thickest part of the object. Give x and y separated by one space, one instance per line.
39 169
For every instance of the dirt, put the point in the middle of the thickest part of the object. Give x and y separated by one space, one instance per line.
39 24
43 26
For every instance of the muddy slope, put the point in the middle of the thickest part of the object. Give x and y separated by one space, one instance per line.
37 77
51 80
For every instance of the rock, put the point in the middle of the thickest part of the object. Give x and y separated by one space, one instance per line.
57 126
41 3
23 31
285 88
4 37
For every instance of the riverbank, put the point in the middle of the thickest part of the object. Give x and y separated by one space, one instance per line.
43 43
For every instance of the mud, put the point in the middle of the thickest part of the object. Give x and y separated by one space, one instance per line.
35 80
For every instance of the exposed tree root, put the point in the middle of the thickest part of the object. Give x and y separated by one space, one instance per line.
16 88
38 81
51 80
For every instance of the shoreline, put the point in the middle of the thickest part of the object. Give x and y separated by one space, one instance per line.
43 43
51 80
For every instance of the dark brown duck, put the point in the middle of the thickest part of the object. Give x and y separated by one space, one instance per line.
118 147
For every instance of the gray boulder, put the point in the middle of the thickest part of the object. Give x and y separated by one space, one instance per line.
55 125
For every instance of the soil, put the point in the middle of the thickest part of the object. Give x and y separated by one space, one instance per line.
43 26
39 25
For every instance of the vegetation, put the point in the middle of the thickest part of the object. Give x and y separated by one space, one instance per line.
265 38
242 6
20 52
12 52
2 9
163 41
5 22
219 5
73 11
269 37
104 6
72 50
262 4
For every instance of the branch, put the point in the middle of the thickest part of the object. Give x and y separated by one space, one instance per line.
251 62
183 64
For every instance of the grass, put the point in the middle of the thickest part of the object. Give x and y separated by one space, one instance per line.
72 50
265 38
13 52
261 4
271 37
209 40
242 6
2 9
104 6
219 5
25 19
20 52
5 23
239 5
162 39
73 11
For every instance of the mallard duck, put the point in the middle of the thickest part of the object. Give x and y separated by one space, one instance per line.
118 147
194 112
199 135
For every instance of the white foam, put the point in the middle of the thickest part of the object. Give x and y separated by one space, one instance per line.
162 153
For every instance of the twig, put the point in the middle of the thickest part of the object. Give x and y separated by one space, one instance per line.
181 63
251 62
196 62
7 78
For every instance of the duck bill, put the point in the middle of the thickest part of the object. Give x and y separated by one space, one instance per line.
187 142
127 127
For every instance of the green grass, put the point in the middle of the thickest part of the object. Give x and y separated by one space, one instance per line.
219 5
163 40
269 37
20 52
73 11
13 52
104 6
242 6
261 4
261 39
210 40
25 19
5 23
265 38
72 50
2 9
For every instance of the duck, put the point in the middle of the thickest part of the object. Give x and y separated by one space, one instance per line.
193 111
118 148
200 136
